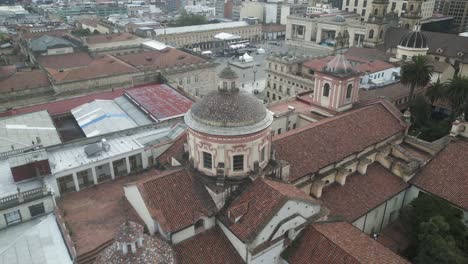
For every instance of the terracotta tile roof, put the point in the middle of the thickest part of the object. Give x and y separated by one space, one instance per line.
392 92
176 199
97 39
258 204
367 54
174 150
160 100
362 193
99 67
360 64
446 175
319 144
12 80
65 61
209 247
90 22
340 243
167 58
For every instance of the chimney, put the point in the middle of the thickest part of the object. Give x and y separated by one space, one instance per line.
316 188
362 165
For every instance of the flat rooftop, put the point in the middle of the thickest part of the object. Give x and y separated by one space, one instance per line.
22 130
35 241
198 28
160 101
95 213
8 185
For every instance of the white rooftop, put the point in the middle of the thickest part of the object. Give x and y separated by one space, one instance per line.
72 157
226 36
20 131
155 45
36 241
8 185
206 27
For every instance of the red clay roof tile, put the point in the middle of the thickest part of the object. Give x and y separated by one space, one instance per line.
320 144
209 247
362 193
340 243
446 175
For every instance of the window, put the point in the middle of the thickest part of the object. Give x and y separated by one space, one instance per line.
371 34
403 7
66 184
363 12
347 2
364 4
288 91
36 209
376 11
207 160
355 2
393 5
268 94
233 85
262 154
381 34
274 86
13 217
279 131
189 79
349 91
196 78
274 97
238 163
225 85
326 90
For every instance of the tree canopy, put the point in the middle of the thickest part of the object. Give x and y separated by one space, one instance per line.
416 73
436 231
186 19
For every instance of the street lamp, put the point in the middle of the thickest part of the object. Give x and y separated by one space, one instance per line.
254 72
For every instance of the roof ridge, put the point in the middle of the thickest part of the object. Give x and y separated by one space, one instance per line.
327 120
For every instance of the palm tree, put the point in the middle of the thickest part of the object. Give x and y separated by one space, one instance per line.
457 94
435 91
417 72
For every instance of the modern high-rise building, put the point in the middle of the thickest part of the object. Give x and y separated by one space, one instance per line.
458 9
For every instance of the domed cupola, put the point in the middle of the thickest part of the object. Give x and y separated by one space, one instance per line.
412 44
339 65
228 130
414 39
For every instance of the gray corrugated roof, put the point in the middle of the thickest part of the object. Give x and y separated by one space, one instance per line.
136 114
44 42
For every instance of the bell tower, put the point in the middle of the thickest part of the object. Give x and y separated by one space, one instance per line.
376 25
412 14
336 85
228 80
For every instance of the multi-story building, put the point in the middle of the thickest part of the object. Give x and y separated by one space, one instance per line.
285 78
458 9
203 35
363 7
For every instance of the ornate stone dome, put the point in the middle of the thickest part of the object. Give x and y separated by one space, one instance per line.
414 39
221 112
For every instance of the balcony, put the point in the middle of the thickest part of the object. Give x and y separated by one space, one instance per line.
23 197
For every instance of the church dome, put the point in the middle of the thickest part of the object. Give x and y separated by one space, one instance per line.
228 108
414 39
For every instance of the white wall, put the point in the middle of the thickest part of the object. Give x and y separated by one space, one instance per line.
134 198
235 242
271 13
24 210
270 255
305 210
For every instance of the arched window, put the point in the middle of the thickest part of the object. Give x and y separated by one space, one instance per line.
371 34
326 90
411 7
407 26
381 34
376 11
349 91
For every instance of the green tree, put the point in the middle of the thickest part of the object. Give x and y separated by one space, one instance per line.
435 91
421 210
424 126
416 73
457 94
436 244
186 19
